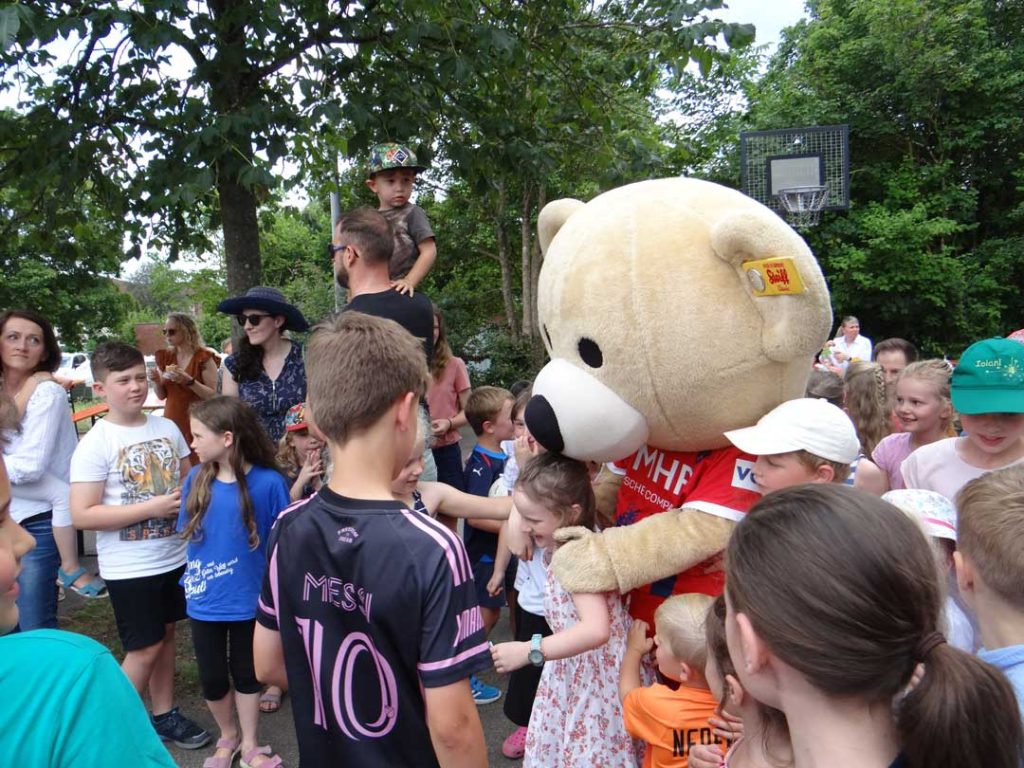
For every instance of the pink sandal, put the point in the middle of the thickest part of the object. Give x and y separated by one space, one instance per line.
274 761
223 762
515 745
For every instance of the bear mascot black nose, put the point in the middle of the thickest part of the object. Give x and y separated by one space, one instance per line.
543 424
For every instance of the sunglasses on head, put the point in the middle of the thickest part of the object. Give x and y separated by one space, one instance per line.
252 320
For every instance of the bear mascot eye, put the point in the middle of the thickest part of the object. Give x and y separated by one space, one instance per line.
590 353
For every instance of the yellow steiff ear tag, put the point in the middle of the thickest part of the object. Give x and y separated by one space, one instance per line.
773 277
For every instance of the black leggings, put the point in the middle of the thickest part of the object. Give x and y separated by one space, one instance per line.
522 684
223 647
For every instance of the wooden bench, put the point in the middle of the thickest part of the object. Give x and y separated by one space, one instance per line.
92 412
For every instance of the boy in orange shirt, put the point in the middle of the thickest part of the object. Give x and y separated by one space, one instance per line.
670 721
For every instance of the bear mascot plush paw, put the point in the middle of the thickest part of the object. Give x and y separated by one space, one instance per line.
673 310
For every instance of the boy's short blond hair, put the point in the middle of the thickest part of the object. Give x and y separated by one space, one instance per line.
990 530
840 470
679 622
484 404
357 366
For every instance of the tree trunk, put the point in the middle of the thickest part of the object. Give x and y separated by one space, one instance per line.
505 262
535 263
529 328
231 91
241 235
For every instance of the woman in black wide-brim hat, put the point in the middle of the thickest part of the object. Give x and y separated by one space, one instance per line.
267 372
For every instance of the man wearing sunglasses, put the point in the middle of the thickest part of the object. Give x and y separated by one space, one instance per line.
361 250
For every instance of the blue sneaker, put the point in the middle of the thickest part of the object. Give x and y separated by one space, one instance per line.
482 692
180 730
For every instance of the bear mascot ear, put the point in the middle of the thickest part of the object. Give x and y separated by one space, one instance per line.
552 217
792 324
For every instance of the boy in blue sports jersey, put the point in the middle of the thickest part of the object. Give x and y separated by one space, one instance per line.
489 412
368 611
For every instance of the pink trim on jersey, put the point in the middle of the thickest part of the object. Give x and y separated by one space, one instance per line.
433 666
272 609
272 576
291 508
456 543
458 560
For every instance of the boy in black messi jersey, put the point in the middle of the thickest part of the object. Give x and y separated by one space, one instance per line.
368 610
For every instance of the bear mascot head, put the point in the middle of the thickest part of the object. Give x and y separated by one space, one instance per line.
673 310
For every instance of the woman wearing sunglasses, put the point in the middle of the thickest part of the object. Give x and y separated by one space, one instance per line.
185 371
267 372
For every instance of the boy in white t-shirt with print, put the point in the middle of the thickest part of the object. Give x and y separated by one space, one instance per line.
126 485
987 389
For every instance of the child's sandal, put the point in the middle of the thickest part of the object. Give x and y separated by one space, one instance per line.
226 761
272 761
270 702
93 589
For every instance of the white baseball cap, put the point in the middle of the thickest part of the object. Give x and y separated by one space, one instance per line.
804 424
932 510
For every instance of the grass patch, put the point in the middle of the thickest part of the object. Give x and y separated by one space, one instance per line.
95 619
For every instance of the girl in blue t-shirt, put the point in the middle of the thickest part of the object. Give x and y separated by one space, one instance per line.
229 503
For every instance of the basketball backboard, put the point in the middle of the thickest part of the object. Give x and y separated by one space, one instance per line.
795 159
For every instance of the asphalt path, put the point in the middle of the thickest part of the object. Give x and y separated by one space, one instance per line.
278 729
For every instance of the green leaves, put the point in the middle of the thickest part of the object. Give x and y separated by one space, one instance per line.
177 117
933 91
9 23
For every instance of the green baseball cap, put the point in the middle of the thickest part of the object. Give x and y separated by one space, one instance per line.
384 157
990 378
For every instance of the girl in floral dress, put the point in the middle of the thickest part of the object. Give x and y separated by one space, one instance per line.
577 719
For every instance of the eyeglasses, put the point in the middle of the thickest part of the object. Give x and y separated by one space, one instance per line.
253 320
333 249
169 331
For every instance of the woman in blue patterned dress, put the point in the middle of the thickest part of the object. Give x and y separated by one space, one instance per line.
267 372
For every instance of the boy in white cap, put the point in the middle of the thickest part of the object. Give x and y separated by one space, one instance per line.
800 441
937 517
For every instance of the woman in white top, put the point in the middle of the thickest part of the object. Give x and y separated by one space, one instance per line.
38 459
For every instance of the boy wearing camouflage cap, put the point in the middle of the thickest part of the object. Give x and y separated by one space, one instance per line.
393 170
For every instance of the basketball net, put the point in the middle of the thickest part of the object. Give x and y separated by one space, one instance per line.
803 205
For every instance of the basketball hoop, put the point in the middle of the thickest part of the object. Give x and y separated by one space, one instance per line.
798 172
803 205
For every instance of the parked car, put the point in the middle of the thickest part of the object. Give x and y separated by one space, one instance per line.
75 367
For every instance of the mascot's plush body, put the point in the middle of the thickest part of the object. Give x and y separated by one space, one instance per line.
673 310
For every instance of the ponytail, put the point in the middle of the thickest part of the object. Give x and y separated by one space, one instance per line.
960 703
843 588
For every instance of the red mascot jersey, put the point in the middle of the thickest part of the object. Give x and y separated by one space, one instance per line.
718 482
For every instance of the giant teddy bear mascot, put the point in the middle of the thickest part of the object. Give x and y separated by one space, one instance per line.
673 310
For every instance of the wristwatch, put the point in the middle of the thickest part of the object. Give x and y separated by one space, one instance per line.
536 655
